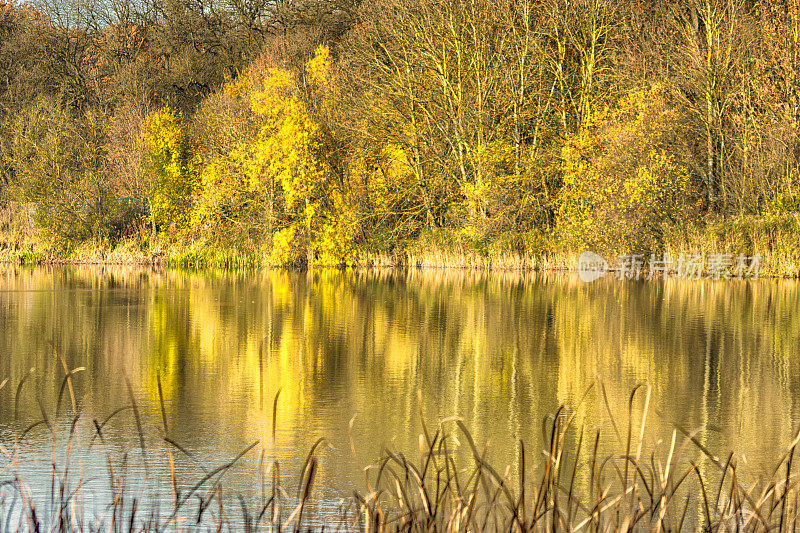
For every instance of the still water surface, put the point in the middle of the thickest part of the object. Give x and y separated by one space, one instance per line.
501 351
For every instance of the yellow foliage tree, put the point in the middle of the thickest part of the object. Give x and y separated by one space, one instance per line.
174 172
290 150
623 177
267 175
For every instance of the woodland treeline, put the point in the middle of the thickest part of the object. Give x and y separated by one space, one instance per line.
327 131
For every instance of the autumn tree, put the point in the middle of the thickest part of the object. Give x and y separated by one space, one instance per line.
776 92
626 178
172 167
713 49
56 163
435 82
267 175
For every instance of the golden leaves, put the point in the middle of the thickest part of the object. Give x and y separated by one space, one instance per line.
319 67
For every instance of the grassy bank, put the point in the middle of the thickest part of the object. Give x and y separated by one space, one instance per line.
776 238
449 485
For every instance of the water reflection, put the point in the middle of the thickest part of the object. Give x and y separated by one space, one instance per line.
501 351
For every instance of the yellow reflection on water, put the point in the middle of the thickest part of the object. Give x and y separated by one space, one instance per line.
501 351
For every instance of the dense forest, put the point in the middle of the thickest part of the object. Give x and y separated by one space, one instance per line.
483 132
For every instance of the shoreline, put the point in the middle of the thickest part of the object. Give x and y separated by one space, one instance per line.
462 264
775 239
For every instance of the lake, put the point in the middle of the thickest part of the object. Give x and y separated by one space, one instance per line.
373 350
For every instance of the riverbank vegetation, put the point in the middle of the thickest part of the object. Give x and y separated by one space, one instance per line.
432 132
451 485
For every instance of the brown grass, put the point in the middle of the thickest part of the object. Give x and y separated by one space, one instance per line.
570 485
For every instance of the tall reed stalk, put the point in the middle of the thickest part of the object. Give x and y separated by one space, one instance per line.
570 485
